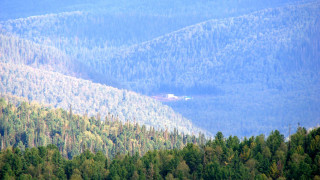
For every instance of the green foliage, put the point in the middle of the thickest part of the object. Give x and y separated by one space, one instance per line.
36 142
210 161
191 153
26 125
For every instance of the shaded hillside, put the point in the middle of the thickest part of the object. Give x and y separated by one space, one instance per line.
89 37
253 110
16 50
254 72
196 59
94 30
85 96
259 47
12 9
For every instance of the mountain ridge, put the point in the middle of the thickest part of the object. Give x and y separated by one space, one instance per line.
262 65
83 95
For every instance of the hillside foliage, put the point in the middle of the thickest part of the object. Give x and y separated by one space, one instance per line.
27 125
84 96
258 157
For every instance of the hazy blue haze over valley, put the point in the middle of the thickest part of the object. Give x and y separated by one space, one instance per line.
249 66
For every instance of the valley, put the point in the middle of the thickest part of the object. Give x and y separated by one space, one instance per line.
257 63
160 89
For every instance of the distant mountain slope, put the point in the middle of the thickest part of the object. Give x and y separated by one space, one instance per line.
261 68
193 59
251 48
85 96
22 51
12 9
253 72
18 50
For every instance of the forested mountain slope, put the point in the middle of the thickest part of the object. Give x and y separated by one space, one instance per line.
46 56
13 9
16 50
85 96
258 157
203 56
94 38
28 125
252 72
259 47
238 65
195 59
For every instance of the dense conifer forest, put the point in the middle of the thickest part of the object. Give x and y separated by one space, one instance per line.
39 142
160 89
28 125
222 158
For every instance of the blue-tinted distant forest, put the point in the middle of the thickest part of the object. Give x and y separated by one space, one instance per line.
250 66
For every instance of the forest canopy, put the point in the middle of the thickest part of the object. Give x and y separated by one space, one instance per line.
258 157
41 142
